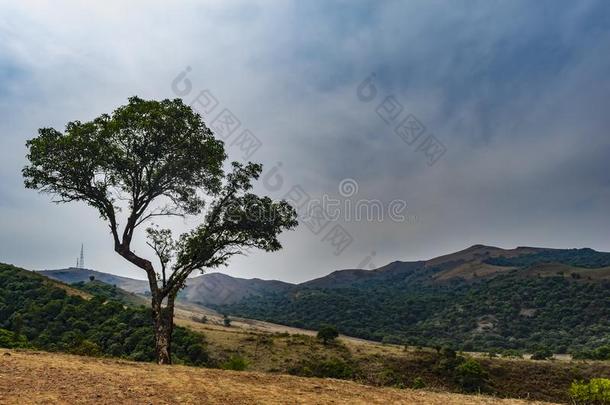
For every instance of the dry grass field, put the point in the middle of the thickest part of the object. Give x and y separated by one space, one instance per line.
277 349
28 377
239 335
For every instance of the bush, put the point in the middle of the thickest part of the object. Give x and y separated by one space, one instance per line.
471 376
512 354
600 353
595 392
448 360
542 354
87 348
11 340
325 368
333 368
328 333
236 363
389 377
418 383
198 354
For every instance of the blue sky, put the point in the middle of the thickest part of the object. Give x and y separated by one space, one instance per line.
517 91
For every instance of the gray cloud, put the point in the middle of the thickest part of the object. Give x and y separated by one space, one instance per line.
517 91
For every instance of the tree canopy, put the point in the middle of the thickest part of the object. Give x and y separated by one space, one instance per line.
156 159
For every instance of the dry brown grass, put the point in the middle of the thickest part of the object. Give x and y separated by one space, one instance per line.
33 377
69 289
285 345
468 271
388 365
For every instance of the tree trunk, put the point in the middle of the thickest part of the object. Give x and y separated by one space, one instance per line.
163 318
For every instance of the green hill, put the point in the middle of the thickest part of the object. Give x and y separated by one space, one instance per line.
35 312
74 275
480 299
111 292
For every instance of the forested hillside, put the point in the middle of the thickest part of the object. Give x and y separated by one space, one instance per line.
525 305
35 313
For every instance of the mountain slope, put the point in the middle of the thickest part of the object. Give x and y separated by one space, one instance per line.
221 289
36 313
74 275
463 264
481 298
207 289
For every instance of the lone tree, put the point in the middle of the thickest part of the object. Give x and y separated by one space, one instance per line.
154 159
328 333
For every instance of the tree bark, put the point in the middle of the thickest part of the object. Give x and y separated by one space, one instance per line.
163 319
163 316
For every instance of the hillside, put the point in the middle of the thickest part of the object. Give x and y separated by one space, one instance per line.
270 348
207 289
36 312
111 292
220 289
75 275
481 298
34 377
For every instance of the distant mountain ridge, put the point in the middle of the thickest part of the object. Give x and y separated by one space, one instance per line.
464 264
480 298
221 289
75 275
213 289
206 290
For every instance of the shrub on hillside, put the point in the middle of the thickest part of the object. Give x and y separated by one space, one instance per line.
87 348
325 368
418 383
200 319
11 340
471 376
236 363
601 353
388 377
595 392
448 360
328 333
542 354
512 354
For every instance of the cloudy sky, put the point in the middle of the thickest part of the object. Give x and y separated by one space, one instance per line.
514 94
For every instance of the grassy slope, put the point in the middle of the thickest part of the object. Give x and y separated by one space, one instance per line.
70 290
34 377
380 364
107 291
